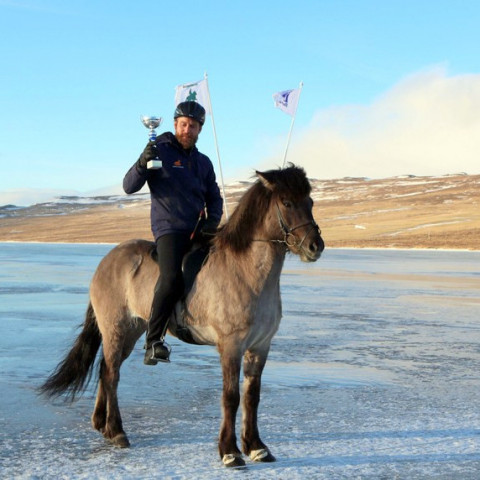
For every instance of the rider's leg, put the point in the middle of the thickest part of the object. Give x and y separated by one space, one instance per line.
171 249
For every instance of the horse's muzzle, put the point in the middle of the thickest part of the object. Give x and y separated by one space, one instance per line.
312 249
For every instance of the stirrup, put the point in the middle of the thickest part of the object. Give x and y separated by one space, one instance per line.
163 355
157 352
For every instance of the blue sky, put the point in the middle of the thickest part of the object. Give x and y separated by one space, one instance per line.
390 87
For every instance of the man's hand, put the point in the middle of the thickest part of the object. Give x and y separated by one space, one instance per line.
148 154
209 228
205 233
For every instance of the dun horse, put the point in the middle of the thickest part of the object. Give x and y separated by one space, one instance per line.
234 304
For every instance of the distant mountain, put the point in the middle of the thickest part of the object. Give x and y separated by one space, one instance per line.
31 196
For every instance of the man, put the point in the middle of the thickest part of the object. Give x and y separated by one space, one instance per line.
180 190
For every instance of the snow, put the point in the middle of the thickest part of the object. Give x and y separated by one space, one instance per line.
428 225
373 374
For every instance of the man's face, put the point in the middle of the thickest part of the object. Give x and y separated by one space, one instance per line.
186 131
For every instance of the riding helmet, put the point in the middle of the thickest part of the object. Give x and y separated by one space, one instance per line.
191 110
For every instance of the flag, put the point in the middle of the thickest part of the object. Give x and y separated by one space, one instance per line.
196 92
287 101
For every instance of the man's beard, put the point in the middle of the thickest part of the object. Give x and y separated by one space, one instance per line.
186 140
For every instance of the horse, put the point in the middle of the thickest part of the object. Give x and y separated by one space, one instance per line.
233 304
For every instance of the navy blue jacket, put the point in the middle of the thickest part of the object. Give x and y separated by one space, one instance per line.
179 190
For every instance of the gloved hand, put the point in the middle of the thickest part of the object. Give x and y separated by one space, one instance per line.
204 234
149 153
209 228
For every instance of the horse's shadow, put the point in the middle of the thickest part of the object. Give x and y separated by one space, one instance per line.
424 451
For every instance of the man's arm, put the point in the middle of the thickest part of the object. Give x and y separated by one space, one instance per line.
135 179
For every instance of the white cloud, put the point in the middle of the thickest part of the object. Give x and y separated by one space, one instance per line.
427 124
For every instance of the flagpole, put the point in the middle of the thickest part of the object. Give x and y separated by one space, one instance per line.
216 147
291 126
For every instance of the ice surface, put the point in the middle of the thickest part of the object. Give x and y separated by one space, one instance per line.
373 374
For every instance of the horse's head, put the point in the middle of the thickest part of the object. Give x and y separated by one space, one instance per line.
291 208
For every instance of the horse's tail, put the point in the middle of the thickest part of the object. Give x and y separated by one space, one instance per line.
73 373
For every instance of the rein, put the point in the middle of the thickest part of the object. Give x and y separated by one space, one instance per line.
288 232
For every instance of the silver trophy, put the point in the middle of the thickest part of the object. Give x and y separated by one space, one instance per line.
152 123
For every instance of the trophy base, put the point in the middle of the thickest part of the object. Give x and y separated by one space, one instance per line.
154 164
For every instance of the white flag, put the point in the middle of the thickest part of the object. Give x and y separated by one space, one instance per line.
196 92
287 100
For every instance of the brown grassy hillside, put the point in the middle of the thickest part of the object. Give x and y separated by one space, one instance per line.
400 212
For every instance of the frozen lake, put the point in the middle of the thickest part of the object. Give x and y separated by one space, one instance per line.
375 373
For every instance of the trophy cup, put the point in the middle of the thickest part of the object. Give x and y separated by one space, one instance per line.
152 123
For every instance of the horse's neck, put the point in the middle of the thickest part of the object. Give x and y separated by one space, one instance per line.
238 281
262 264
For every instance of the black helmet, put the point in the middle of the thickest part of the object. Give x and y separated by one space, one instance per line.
191 110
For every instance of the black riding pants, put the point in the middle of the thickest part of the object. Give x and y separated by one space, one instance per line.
171 249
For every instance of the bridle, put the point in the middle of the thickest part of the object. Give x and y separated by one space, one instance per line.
288 232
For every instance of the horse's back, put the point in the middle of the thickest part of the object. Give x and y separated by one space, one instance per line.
124 255
128 248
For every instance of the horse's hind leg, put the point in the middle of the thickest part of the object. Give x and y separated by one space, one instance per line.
252 445
99 416
107 401
106 416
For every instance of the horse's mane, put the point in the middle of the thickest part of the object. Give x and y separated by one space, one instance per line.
289 183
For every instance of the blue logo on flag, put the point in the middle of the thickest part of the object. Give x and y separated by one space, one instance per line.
283 100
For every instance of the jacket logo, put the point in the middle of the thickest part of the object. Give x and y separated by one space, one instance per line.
178 164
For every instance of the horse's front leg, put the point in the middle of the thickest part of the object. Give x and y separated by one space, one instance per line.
251 444
227 445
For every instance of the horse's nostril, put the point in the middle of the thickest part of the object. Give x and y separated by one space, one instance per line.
317 246
321 245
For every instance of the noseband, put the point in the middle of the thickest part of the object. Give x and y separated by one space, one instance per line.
288 232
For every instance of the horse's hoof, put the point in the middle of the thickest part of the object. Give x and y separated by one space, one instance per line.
262 455
233 460
120 441
100 428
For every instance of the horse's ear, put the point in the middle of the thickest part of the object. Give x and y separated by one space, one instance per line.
266 179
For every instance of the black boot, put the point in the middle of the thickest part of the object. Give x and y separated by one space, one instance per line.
157 352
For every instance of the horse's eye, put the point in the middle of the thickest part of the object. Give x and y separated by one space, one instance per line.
287 203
